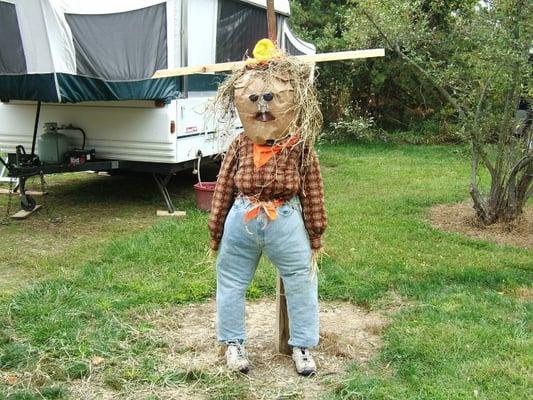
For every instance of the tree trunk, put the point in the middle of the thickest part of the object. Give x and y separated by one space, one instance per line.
507 197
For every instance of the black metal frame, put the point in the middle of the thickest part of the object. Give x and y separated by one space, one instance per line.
162 182
161 172
35 128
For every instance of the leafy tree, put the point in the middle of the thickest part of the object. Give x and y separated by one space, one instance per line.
467 61
395 96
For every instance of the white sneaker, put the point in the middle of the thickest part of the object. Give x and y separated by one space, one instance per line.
303 361
236 359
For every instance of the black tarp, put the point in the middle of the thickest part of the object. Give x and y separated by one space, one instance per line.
121 46
239 27
28 87
75 88
12 59
67 88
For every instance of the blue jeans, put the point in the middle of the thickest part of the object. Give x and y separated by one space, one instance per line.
286 243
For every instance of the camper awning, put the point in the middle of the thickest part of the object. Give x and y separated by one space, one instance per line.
71 51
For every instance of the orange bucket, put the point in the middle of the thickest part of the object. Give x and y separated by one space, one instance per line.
204 194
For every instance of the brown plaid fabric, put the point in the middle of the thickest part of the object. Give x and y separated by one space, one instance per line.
288 173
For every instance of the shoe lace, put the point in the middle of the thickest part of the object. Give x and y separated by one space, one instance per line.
238 346
305 353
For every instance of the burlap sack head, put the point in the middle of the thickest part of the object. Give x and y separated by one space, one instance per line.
266 105
274 96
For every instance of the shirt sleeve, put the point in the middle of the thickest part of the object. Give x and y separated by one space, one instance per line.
224 194
312 199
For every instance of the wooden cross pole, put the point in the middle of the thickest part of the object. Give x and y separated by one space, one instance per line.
282 316
233 65
272 35
271 21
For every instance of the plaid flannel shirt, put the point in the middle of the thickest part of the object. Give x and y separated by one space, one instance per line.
291 172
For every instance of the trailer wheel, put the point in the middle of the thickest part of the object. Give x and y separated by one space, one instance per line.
27 203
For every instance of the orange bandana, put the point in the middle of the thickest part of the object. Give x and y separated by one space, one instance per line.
263 153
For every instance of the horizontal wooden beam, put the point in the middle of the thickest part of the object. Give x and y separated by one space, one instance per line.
229 66
342 55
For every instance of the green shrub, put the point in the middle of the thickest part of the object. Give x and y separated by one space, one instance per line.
352 126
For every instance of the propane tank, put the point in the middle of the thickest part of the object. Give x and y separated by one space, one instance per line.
52 145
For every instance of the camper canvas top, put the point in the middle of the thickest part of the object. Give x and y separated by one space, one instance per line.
72 51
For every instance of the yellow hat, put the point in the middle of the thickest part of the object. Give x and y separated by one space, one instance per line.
264 50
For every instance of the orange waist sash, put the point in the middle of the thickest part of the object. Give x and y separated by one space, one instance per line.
270 209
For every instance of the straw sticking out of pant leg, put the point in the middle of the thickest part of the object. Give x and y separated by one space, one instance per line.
316 259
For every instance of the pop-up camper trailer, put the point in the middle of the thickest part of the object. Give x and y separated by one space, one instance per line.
90 64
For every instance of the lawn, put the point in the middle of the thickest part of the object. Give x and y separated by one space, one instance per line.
71 293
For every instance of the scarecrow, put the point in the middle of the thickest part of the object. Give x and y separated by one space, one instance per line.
269 199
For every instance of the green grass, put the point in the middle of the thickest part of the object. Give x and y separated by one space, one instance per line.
464 333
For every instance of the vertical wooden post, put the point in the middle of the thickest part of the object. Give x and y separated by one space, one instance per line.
271 21
282 317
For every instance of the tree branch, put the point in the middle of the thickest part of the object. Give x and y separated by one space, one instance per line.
476 140
395 46
524 162
529 193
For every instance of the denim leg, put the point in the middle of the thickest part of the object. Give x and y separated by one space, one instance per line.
237 260
288 248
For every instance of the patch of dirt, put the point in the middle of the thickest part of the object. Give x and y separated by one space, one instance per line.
12 277
348 334
523 293
460 218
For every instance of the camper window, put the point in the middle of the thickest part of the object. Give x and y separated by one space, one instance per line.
12 59
240 26
120 46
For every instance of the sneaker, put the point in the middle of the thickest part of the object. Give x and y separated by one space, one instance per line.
303 361
236 359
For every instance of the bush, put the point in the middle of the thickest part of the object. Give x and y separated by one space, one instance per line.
352 126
